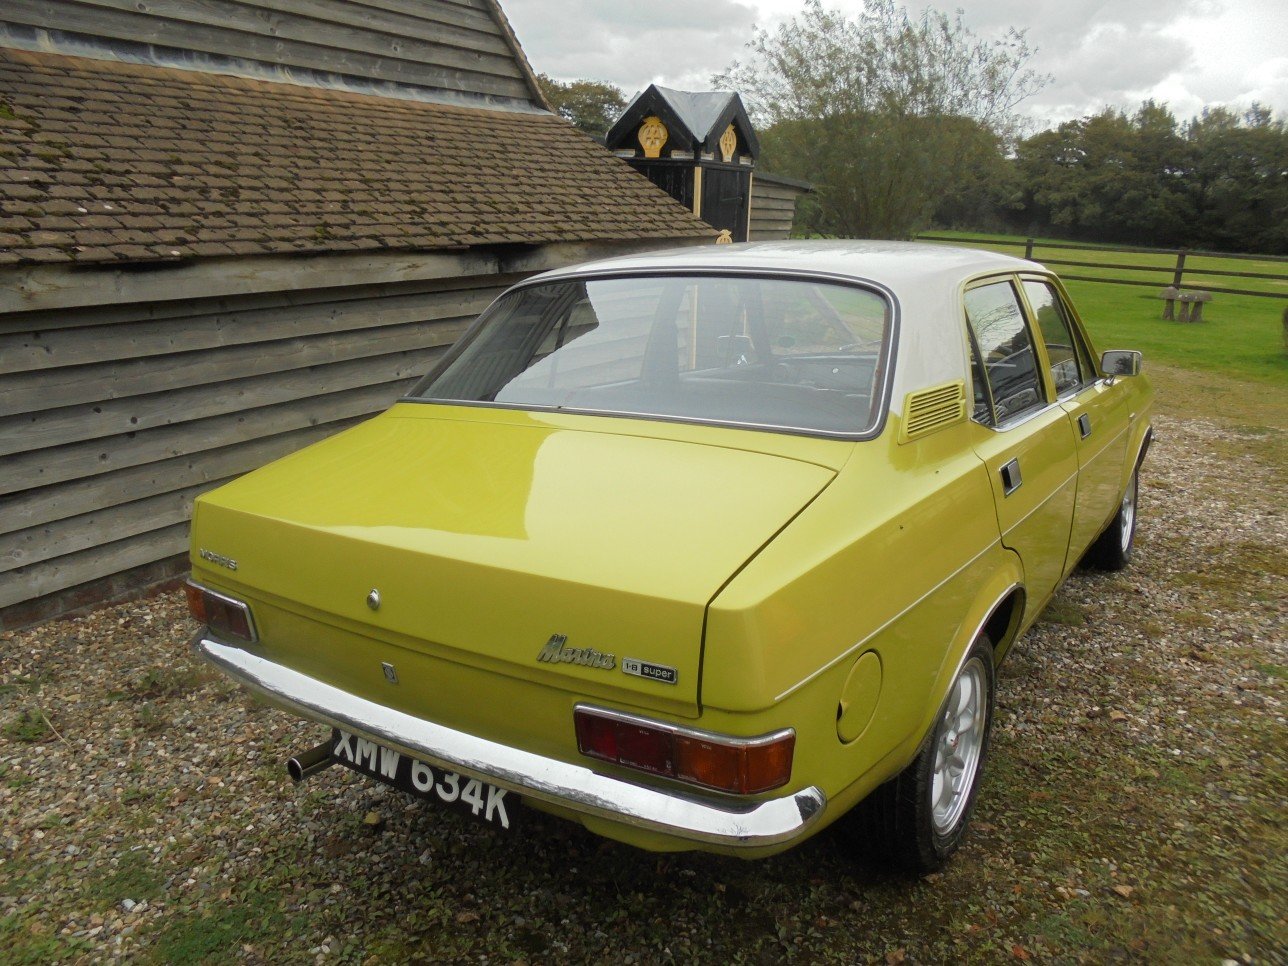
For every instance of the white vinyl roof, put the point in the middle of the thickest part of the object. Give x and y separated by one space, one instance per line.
926 280
890 263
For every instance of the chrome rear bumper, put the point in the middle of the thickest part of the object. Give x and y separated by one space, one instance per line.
575 787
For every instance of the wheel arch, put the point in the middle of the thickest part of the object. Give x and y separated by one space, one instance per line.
998 610
1142 448
1138 448
1003 622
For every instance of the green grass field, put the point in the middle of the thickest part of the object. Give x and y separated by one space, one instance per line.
1119 264
1241 336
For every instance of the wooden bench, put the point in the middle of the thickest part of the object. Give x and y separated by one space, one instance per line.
1191 304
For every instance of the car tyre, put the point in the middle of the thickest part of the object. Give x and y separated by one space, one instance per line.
916 821
1113 548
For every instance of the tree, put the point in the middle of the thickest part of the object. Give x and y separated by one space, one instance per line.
1110 176
1221 181
986 191
1239 181
874 109
591 106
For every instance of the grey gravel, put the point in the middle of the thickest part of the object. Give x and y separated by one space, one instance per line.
1136 774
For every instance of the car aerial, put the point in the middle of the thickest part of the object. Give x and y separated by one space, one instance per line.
701 548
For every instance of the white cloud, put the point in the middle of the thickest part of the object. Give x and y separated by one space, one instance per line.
1189 53
1108 67
676 42
1238 56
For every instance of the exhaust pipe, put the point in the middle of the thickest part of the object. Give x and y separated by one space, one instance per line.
309 762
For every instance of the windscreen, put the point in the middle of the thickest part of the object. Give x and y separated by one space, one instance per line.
779 353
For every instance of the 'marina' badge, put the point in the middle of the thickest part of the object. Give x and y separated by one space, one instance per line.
654 672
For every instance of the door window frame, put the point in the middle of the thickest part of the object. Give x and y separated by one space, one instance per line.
1077 330
1040 360
1076 333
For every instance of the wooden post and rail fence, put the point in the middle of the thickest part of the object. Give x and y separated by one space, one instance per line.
1172 275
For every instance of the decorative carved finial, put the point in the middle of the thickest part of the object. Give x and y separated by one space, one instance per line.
725 237
653 135
728 142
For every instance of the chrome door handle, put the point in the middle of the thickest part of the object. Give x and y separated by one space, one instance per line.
1084 425
1011 478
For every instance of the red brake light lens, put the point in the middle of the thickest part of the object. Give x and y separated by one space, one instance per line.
646 749
743 766
225 616
596 736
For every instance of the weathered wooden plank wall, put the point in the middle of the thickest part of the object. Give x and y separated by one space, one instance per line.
113 418
773 208
454 46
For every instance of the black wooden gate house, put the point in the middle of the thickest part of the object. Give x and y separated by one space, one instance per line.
699 148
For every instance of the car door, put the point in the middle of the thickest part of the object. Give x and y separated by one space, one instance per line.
1098 414
1023 436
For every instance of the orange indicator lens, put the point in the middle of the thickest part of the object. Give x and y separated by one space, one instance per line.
196 601
707 763
769 765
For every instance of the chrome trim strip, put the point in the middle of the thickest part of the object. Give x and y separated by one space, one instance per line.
649 417
1020 418
855 647
715 737
576 787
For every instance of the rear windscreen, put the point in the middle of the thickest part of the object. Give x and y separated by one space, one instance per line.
768 352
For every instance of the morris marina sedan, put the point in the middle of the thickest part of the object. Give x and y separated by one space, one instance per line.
701 549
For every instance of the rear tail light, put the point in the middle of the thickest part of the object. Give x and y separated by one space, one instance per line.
226 617
740 765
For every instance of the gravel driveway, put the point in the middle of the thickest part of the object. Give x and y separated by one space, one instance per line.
1133 807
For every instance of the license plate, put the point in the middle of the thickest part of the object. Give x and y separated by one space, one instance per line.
497 806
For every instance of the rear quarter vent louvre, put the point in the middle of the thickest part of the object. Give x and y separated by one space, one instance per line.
929 410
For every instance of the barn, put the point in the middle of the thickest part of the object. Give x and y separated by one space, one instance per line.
229 229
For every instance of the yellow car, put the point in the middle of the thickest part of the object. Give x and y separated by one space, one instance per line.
700 549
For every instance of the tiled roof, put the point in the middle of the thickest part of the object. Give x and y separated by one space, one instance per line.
103 161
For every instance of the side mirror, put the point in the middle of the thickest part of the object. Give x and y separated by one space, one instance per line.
1120 362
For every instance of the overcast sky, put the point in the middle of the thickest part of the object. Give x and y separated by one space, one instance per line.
1187 53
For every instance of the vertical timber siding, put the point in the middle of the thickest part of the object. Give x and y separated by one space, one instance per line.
112 418
452 47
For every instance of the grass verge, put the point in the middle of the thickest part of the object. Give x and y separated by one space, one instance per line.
1242 335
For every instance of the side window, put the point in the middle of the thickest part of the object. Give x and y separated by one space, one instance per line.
1070 367
1010 365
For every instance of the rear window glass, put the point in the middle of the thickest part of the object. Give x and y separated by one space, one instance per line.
775 353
